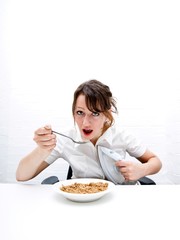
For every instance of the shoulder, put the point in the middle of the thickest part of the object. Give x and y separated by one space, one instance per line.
118 131
121 137
124 135
115 135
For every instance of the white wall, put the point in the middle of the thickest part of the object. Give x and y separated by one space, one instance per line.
47 48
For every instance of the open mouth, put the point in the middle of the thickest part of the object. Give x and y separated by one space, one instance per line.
87 132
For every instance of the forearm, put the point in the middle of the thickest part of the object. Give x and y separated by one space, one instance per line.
32 164
152 166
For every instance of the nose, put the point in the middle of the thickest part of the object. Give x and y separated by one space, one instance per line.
86 120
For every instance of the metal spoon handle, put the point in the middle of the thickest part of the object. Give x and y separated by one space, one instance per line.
79 142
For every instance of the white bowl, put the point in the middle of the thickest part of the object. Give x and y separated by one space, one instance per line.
78 197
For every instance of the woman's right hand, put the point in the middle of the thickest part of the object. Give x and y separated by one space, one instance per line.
44 138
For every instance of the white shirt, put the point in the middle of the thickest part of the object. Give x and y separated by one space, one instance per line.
84 158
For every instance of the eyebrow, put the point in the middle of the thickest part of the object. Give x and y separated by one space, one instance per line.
80 108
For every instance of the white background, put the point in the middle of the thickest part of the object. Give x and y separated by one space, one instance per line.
48 47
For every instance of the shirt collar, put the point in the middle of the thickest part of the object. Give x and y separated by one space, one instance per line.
106 139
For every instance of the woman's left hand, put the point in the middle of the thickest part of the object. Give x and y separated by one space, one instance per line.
148 164
130 170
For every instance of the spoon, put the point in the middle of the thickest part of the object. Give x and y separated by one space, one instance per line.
79 142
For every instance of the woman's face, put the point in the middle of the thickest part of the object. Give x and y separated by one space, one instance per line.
90 123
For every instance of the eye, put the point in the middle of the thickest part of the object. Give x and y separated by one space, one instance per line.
79 113
95 114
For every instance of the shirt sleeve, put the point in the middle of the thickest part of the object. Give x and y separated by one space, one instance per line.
57 152
134 146
52 157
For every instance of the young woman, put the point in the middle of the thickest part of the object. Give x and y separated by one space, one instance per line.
93 109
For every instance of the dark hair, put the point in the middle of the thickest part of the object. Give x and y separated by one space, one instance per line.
98 98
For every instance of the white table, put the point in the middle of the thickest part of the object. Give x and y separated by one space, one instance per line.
30 212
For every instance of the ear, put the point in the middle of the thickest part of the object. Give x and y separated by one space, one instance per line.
107 121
